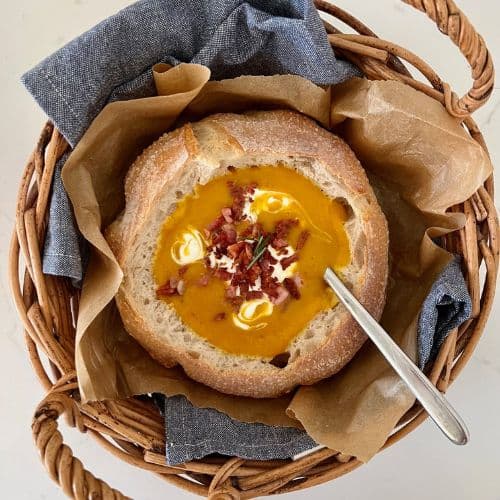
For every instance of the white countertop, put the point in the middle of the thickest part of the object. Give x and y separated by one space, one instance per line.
423 465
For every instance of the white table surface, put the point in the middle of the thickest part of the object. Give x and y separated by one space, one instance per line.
423 465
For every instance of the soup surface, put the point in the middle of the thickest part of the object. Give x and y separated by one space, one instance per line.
241 259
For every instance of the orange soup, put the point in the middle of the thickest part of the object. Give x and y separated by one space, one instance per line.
242 258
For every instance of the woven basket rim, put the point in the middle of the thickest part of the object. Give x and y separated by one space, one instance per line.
132 429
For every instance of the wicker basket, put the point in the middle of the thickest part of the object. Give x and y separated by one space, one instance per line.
132 429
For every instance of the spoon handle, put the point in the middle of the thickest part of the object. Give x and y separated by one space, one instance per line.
434 403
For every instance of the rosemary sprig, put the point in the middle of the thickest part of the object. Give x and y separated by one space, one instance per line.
260 248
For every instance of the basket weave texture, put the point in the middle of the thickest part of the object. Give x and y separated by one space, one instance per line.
133 429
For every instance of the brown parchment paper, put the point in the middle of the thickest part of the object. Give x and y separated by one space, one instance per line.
420 161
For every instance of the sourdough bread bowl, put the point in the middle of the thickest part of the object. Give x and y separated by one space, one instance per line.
166 186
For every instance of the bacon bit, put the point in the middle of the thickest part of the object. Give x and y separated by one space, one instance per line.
254 294
270 286
231 292
253 273
227 214
169 288
236 302
238 195
235 249
284 226
222 274
279 243
265 265
250 188
253 231
303 237
248 251
181 287
165 291
269 257
219 317
230 232
281 295
182 270
298 280
238 277
204 279
215 224
289 260
244 287
245 257
292 287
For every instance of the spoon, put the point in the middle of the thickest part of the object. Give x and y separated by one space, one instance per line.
434 403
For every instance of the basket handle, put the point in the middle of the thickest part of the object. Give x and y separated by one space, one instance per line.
64 468
453 22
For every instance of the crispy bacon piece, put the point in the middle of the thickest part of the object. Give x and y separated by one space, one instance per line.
253 231
222 274
289 260
279 243
230 233
267 256
254 294
284 226
238 195
235 249
182 270
168 289
253 273
292 287
281 295
220 316
265 265
236 302
303 237
227 214
216 224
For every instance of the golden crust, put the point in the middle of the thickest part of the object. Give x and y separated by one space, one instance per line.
282 133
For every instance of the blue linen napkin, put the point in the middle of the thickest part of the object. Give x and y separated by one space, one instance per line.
447 306
192 433
112 62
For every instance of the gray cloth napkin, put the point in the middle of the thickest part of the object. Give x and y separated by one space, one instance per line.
113 61
192 433
446 307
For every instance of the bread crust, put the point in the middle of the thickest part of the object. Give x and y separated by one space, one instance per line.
282 134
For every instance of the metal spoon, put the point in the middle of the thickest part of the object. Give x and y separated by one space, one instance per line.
434 403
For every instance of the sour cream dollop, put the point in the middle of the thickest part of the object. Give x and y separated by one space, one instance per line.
251 312
188 247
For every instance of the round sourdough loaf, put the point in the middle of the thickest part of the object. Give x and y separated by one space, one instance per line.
196 153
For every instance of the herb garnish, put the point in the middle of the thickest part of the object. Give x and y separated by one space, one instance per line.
259 250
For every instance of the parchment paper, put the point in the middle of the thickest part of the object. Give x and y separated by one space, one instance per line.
419 160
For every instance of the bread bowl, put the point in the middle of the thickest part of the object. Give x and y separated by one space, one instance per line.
177 274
